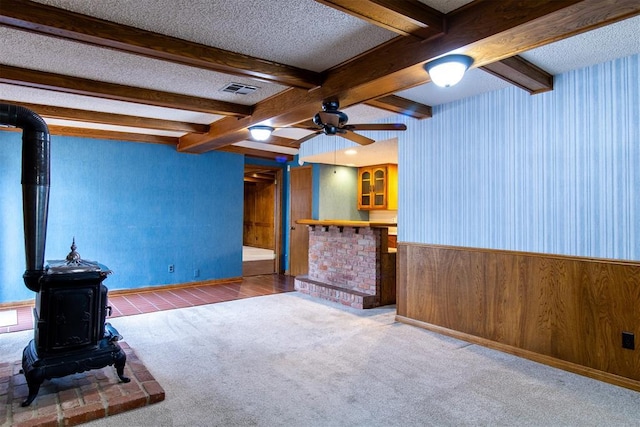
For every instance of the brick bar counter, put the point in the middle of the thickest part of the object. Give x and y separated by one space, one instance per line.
350 262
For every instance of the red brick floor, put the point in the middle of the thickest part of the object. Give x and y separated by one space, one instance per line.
77 398
147 301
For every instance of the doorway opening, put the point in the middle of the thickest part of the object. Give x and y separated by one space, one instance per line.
261 234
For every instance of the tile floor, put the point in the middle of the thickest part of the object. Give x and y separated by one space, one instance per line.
130 303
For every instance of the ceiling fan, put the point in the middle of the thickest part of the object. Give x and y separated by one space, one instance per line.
330 121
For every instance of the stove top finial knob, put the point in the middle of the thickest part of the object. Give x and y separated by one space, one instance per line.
73 257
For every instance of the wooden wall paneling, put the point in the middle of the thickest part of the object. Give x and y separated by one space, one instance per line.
551 308
455 307
537 304
249 214
498 297
401 276
607 302
388 278
572 327
265 215
259 215
419 301
387 274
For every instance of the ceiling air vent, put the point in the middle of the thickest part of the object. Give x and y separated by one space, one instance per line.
239 88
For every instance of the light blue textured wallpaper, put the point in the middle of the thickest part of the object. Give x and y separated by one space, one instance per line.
557 172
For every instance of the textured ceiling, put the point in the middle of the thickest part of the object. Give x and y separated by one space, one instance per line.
36 96
80 60
594 47
301 33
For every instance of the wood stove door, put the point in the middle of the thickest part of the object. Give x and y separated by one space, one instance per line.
74 315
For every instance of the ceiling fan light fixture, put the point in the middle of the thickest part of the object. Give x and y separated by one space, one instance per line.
260 132
448 70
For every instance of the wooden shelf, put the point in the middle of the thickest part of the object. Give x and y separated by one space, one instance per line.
345 223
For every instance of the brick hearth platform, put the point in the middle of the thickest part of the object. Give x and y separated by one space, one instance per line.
349 263
343 296
77 398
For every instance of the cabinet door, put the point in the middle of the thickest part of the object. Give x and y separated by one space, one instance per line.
379 190
374 191
364 189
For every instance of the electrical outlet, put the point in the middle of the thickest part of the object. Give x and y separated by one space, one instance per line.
628 340
196 272
171 268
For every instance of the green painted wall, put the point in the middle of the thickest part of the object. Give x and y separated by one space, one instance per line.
337 193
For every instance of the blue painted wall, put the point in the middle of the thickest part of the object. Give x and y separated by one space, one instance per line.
134 207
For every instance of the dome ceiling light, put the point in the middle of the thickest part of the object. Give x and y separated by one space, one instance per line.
448 70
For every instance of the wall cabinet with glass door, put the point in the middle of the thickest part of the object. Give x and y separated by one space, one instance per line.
378 187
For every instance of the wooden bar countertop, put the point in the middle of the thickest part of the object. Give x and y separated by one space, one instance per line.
345 223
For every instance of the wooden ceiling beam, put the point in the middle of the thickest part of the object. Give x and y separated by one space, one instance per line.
279 141
402 106
261 154
387 14
260 178
268 180
260 169
87 87
107 134
522 73
488 31
103 134
407 17
284 109
48 20
63 113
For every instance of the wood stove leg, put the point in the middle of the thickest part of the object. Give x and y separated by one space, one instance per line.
120 359
33 371
34 380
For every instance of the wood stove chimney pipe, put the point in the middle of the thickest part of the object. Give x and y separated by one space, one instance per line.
35 186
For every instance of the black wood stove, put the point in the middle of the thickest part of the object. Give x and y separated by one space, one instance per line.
70 333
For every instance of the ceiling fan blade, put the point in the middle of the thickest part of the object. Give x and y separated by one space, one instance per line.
308 137
381 126
352 136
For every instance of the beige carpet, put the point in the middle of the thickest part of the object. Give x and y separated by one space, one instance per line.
289 360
